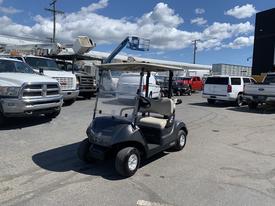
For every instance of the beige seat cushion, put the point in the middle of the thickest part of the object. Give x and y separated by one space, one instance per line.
153 122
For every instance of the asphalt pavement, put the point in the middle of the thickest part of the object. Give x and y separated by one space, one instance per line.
229 159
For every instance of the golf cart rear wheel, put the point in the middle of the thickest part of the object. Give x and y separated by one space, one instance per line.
83 151
181 141
127 161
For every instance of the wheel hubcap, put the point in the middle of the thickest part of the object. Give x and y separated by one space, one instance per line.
132 162
182 140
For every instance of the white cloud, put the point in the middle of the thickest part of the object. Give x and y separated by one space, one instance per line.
199 21
241 12
240 42
95 6
161 26
199 11
8 10
161 15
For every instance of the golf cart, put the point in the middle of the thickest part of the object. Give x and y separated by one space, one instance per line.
136 129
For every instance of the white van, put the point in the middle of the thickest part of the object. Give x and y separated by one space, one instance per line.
128 84
225 88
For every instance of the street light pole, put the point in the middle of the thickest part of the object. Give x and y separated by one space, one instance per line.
195 50
54 12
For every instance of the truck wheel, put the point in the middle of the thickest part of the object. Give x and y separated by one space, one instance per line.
127 161
2 118
83 151
181 140
239 100
252 105
211 101
69 102
53 114
88 96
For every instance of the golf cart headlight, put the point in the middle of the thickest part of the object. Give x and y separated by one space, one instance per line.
9 91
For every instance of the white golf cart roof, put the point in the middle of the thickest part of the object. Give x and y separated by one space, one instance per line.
138 66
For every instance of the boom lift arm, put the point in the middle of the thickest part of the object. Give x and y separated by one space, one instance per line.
132 42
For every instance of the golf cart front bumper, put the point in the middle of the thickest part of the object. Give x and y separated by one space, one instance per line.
98 152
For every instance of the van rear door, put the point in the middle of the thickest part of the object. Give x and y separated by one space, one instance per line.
216 86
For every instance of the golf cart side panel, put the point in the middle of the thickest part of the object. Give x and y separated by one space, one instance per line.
110 131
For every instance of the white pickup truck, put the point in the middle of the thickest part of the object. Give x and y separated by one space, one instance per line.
23 92
264 92
68 81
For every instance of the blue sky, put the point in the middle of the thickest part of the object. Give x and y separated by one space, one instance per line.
226 28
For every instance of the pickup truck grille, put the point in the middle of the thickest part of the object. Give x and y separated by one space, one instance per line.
66 83
40 90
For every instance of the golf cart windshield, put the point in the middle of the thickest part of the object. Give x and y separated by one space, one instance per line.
120 96
117 98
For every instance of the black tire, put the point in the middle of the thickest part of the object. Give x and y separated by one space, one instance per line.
179 144
239 100
189 93
53 115
122 158
83 151
211 101
2 118
69 102
252 105
89 95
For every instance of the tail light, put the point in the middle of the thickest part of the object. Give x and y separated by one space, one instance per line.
229 88
144 88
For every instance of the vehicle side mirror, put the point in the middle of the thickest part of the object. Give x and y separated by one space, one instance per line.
178 101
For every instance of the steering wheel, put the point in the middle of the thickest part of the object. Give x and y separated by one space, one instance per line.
144 102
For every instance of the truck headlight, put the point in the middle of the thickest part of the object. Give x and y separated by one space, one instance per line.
9 91
77 82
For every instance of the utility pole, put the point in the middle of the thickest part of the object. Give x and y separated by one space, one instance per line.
54 12
195 49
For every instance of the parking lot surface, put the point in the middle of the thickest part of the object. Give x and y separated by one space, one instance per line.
229 159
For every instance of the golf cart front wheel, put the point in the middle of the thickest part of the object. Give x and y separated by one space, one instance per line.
181 141
127 161
83 151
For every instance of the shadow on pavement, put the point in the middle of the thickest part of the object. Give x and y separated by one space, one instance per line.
23 122
63 159
217 104
263 109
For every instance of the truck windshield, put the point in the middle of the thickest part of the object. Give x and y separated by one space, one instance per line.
270 79
47 64
14 66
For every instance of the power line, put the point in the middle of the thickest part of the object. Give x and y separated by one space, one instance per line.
54 11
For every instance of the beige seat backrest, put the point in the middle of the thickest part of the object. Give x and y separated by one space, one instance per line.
163 106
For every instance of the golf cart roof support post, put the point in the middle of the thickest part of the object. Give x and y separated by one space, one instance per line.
97 91
170 84
138 97
147 84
